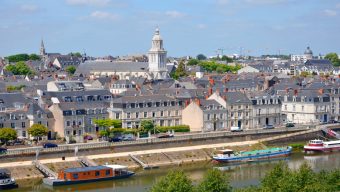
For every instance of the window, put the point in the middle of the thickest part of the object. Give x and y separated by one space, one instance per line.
97 173
67 123
162 113
117 115
208 117
75 175
13 125
239 114
39 122
23 124
145 114
285 107
1 125
24 133
293 107
302 108
169 113
153 114
107 172
176 113
137 115
128 115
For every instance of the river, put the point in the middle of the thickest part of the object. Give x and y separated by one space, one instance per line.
241 175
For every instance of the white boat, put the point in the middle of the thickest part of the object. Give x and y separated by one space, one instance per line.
6 181
320 145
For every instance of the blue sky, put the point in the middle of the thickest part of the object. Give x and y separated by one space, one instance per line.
188 27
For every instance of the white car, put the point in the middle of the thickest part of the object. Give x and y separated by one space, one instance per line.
236 129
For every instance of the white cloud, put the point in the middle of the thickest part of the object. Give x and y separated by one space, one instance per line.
103 15
29 8
88 2
201 26
174 14
330 13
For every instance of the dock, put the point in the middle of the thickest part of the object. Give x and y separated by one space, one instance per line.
141 163
44 169
86 161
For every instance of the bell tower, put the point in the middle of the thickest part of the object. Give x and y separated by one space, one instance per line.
157 57
42 48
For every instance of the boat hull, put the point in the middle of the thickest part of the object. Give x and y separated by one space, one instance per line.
9 186
254 157
56 182
321 149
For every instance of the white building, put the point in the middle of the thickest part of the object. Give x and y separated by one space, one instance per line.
303 58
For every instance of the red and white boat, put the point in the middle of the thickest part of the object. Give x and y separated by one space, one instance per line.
320 145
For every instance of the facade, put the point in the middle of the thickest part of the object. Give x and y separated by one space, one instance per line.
308 54
205 116
157 58
306 106
163 110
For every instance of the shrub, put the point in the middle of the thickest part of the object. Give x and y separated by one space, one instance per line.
177 128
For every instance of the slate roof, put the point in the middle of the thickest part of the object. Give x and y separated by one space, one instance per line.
236 98
89 67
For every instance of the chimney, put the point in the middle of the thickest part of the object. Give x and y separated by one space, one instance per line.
225 97
226 90
295 92
187 102
321 91
198 101
210 91
211 81
218 91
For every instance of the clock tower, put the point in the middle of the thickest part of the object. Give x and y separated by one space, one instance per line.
157 58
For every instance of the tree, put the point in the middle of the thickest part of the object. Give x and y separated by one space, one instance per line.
180 71
7 134
34 57
334 58
304 74
38 130
214 181
226 58
193 62
174 181
18 57
147 125
201 57
106 123
20 68
71 69
76 54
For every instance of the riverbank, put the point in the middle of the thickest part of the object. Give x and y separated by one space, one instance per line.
156 157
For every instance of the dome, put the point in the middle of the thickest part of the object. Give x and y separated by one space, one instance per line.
308 51
157 36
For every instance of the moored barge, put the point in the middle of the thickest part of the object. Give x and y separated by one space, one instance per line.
88 174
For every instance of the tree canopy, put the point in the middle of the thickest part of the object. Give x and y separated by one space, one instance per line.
174 181
20 68
214 180
180 71
71 69
212 66
7 134
38 130
201 57
106 123
193 62
22 57
147 125
76 54
334 58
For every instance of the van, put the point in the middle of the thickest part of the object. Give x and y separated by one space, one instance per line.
235 129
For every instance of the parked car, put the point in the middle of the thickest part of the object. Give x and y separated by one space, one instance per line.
236 129
128 138
332 121
88 137
268 127
3 150
115 139
50 145
290 125
165 135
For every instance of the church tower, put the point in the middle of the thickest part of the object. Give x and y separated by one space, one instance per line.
157 58
42 49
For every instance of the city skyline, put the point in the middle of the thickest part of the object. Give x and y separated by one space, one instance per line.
110 27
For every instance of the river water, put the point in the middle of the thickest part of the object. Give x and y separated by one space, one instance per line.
240 175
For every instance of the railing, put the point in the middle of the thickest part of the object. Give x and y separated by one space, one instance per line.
105 144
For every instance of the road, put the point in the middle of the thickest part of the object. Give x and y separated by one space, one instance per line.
124 154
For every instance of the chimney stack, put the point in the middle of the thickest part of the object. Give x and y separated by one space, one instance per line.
198 101
210 91
295 92
321 91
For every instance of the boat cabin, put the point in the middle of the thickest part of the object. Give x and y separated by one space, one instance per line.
5 176
315 142
85 173
225 153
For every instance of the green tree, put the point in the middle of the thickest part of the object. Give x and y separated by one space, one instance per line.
174 181
193 62
18 57
214 181
226 58
304 74
180 71
34 57
75 54
147 125
107 123
7 134
334 58
38 130
201 57
20 68
71 69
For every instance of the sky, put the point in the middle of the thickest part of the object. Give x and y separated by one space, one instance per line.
188 27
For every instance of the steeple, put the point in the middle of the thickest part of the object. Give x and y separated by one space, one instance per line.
157 57
42 48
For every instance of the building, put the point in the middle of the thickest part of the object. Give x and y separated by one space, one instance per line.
155 68
163 110
63 61
306 106
308 54
205 116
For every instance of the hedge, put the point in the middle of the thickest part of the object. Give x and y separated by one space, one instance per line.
178 128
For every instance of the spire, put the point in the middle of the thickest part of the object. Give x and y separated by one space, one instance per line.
42 48
157 31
